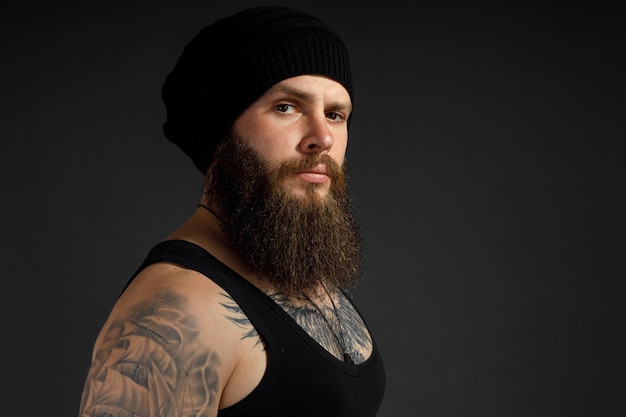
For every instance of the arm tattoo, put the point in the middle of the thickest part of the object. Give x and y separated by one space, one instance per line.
236 315
151 364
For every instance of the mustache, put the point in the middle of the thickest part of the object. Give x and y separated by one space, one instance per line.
296 165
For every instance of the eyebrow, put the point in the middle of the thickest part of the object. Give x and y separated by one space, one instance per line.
310 97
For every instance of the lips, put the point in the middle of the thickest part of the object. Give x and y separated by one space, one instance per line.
311 168
318 169
317 174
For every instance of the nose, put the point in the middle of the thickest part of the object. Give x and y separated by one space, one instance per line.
318 137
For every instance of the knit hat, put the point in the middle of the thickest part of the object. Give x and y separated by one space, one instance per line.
231 63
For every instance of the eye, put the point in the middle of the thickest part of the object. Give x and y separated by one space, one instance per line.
335 116
285 108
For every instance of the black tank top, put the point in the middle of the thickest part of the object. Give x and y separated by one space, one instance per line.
302 379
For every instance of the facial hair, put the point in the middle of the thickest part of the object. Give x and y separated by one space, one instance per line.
293 242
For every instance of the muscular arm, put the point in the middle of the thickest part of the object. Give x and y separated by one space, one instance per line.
150 362
175 344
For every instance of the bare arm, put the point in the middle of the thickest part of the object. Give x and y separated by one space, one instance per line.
154 357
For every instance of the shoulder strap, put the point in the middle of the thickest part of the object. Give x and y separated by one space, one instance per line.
191 256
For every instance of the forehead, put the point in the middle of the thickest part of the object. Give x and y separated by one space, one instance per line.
311 88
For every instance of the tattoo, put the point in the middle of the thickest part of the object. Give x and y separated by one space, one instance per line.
355 335
237 316
151 364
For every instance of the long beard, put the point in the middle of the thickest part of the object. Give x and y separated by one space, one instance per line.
293 242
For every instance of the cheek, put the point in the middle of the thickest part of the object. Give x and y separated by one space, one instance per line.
338 151
274 149
267 142
272 152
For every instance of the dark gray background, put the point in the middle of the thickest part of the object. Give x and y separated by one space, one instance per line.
487 166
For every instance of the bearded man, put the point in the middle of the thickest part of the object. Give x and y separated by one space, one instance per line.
242 310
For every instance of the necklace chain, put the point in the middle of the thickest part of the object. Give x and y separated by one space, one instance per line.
340 339
210 210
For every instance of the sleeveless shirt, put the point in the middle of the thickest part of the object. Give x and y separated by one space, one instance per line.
301 379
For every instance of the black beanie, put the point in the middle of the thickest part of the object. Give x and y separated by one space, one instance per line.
231 63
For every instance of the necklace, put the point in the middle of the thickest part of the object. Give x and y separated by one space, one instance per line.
340 339
210 210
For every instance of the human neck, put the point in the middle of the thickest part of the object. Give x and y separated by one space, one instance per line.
203 228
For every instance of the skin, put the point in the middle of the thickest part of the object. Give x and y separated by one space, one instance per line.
202 351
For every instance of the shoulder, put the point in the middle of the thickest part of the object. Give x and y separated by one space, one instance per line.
196 304
170 290
170 338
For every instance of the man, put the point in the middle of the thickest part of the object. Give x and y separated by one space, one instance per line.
241 311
